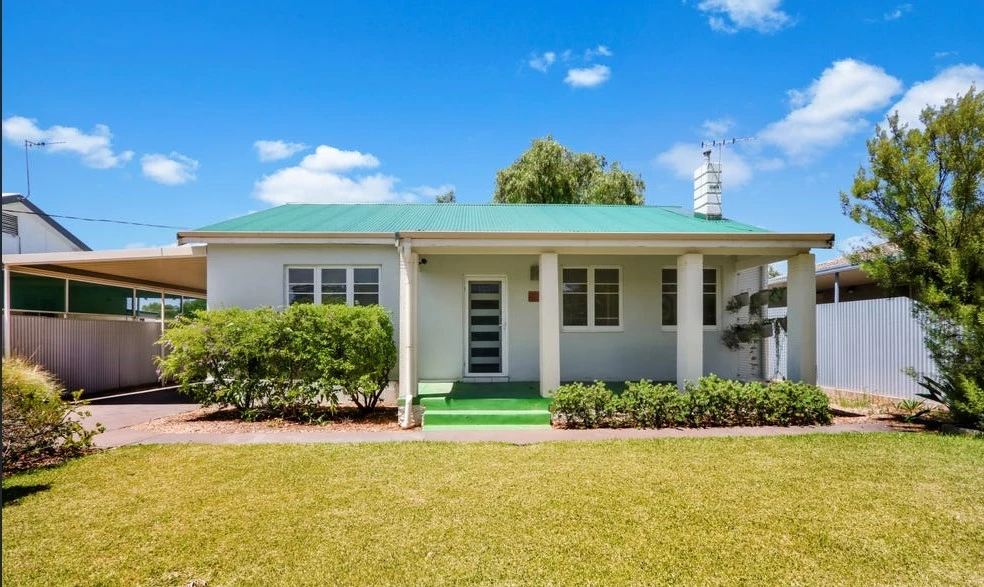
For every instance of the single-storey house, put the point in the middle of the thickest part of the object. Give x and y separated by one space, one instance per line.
522 292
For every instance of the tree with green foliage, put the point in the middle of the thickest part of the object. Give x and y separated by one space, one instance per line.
550 173
923 194
447 197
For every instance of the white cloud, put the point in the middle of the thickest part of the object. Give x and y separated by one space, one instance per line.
683 158
897 12
588 77
730 16
327 158
831 108
566 55
325 177
430 192
717 127
173 169
95 149
949 83
942 54
543 61
276 150
599 51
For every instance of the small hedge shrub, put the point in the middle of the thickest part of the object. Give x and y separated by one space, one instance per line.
38 426
289 363
712 401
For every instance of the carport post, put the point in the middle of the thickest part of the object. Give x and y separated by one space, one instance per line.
6 311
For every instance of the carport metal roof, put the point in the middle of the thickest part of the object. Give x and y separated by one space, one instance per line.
174 269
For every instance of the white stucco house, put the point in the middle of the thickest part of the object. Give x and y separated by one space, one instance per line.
28 229
542 293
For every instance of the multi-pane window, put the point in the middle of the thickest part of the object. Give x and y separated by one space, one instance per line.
708 295
355 286
591 297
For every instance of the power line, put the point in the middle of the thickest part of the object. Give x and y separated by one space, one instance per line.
144 224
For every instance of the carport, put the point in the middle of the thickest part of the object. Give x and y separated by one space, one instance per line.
93 317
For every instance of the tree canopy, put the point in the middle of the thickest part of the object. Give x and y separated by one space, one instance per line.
550 173
923 194
447 197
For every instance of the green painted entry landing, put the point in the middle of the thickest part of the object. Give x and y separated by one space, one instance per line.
512 405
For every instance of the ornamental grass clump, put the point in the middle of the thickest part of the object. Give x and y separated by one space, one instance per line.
38 425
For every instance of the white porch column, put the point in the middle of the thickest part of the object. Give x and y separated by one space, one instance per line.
549 323
801 319
690 318
408 329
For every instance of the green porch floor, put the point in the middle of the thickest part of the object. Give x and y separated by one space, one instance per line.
483 406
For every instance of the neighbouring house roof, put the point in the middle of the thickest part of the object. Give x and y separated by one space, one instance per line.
843 265
19 199
475 218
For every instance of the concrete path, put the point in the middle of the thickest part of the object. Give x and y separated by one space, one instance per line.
124 437
119 413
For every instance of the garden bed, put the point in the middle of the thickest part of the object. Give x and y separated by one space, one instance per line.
226 420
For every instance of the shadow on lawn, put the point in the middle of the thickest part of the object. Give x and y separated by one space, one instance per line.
13 494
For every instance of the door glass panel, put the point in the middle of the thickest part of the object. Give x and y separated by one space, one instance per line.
484 327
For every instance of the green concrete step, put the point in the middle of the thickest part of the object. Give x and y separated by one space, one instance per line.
440 427
496 403
467 418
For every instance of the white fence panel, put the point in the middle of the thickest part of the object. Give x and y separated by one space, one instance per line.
93 355
863 346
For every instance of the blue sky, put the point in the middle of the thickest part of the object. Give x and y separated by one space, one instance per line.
161 107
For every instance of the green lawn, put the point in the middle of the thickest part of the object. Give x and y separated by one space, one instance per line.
822 510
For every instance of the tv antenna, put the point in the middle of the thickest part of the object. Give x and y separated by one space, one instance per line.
27 158
708 146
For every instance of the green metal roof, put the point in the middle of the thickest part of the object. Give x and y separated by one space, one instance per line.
504 218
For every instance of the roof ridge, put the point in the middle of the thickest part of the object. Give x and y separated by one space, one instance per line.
479 204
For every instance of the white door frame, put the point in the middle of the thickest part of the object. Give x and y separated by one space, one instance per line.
504 334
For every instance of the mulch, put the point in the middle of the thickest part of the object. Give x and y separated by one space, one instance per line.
225 420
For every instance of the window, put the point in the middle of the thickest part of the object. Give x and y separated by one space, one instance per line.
592 298
355 286
709 295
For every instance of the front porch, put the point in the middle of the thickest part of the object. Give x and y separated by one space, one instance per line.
503 314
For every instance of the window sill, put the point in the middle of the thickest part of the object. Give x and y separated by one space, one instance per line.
592 329
706 328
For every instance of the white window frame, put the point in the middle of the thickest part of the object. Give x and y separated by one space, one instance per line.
349 281
591 298
717 297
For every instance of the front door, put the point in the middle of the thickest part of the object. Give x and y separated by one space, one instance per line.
486 327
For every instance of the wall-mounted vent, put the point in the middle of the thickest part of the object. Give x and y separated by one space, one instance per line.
10 224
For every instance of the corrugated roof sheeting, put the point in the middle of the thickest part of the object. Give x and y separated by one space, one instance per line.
546 218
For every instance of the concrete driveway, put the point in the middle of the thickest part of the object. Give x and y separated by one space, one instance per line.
119 412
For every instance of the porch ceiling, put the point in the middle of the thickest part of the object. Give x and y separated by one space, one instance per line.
176 269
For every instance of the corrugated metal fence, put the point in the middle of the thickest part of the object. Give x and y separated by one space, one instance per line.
862 346
93 355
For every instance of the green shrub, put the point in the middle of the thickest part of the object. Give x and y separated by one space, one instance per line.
289 363
37 423
362 352
653 405
584 406
711 401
